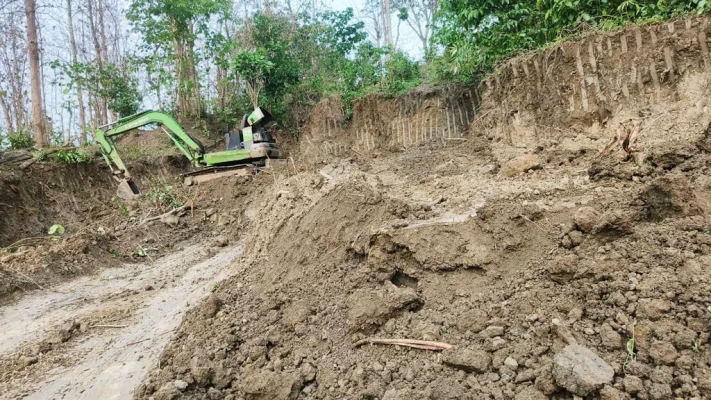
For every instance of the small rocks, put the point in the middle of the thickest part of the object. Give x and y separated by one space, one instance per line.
492 331
581 371
494 344
520 165
171 220
586 218
180 385
511 363
469 360
633 384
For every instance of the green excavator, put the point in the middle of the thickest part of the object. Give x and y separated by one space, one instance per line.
251 144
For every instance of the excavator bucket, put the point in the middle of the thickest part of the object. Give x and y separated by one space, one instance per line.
127 190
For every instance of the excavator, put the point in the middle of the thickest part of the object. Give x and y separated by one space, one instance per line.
251 144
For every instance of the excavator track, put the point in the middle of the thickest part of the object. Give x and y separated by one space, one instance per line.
208 174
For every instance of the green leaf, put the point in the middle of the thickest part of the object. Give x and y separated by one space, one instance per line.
56 229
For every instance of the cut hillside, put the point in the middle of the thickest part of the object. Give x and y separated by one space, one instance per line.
553 269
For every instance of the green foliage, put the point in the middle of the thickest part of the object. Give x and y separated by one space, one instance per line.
476 34
73 156
20 140
164 197
55 229
117 85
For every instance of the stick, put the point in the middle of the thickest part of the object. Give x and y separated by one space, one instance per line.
108 326
417 344
43 155
173 211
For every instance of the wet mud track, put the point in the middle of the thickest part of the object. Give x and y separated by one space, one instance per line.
112 327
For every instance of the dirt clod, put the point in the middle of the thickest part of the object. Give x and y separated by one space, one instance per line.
581 371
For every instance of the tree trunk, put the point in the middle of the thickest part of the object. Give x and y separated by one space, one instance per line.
102 31
41 139
186 74
80 95
6 112
101 111
387 22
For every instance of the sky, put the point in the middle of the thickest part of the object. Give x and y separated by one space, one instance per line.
409 42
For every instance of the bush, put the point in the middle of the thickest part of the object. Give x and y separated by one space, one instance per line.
20 140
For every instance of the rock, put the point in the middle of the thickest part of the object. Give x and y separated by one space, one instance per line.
308 372
576 238
209 212
494 344
492 331
530 393
562 269
180 385
663 352
525 376
586 218
581 371
214 394
653 309
520 165
467 359
545 382
171 220
511 363
633 384
609 337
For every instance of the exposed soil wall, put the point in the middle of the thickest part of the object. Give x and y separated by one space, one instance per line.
572 97
381 123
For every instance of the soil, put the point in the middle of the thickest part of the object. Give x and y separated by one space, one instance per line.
552 271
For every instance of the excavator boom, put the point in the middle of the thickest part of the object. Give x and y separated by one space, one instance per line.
249 149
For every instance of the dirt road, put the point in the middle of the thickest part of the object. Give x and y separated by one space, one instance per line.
99 335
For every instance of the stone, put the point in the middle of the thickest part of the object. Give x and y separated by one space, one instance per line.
633 384
467 359
520 165
180 385
494 344
576 238
511 363
171 220
609 337
585 218
581 371
663 352
492 331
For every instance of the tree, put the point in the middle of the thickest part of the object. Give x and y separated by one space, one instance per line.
419 15
172 27
38 119
80 95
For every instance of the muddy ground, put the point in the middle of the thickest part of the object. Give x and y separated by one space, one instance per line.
552 270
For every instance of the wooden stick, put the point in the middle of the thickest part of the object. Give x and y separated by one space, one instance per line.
417 344
173 211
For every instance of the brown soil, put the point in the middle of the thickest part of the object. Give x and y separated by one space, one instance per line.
482 218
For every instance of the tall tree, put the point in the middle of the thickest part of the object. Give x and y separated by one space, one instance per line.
172 27
80 95
38 119
419 15
386 15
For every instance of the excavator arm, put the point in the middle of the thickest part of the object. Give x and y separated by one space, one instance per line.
186 144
